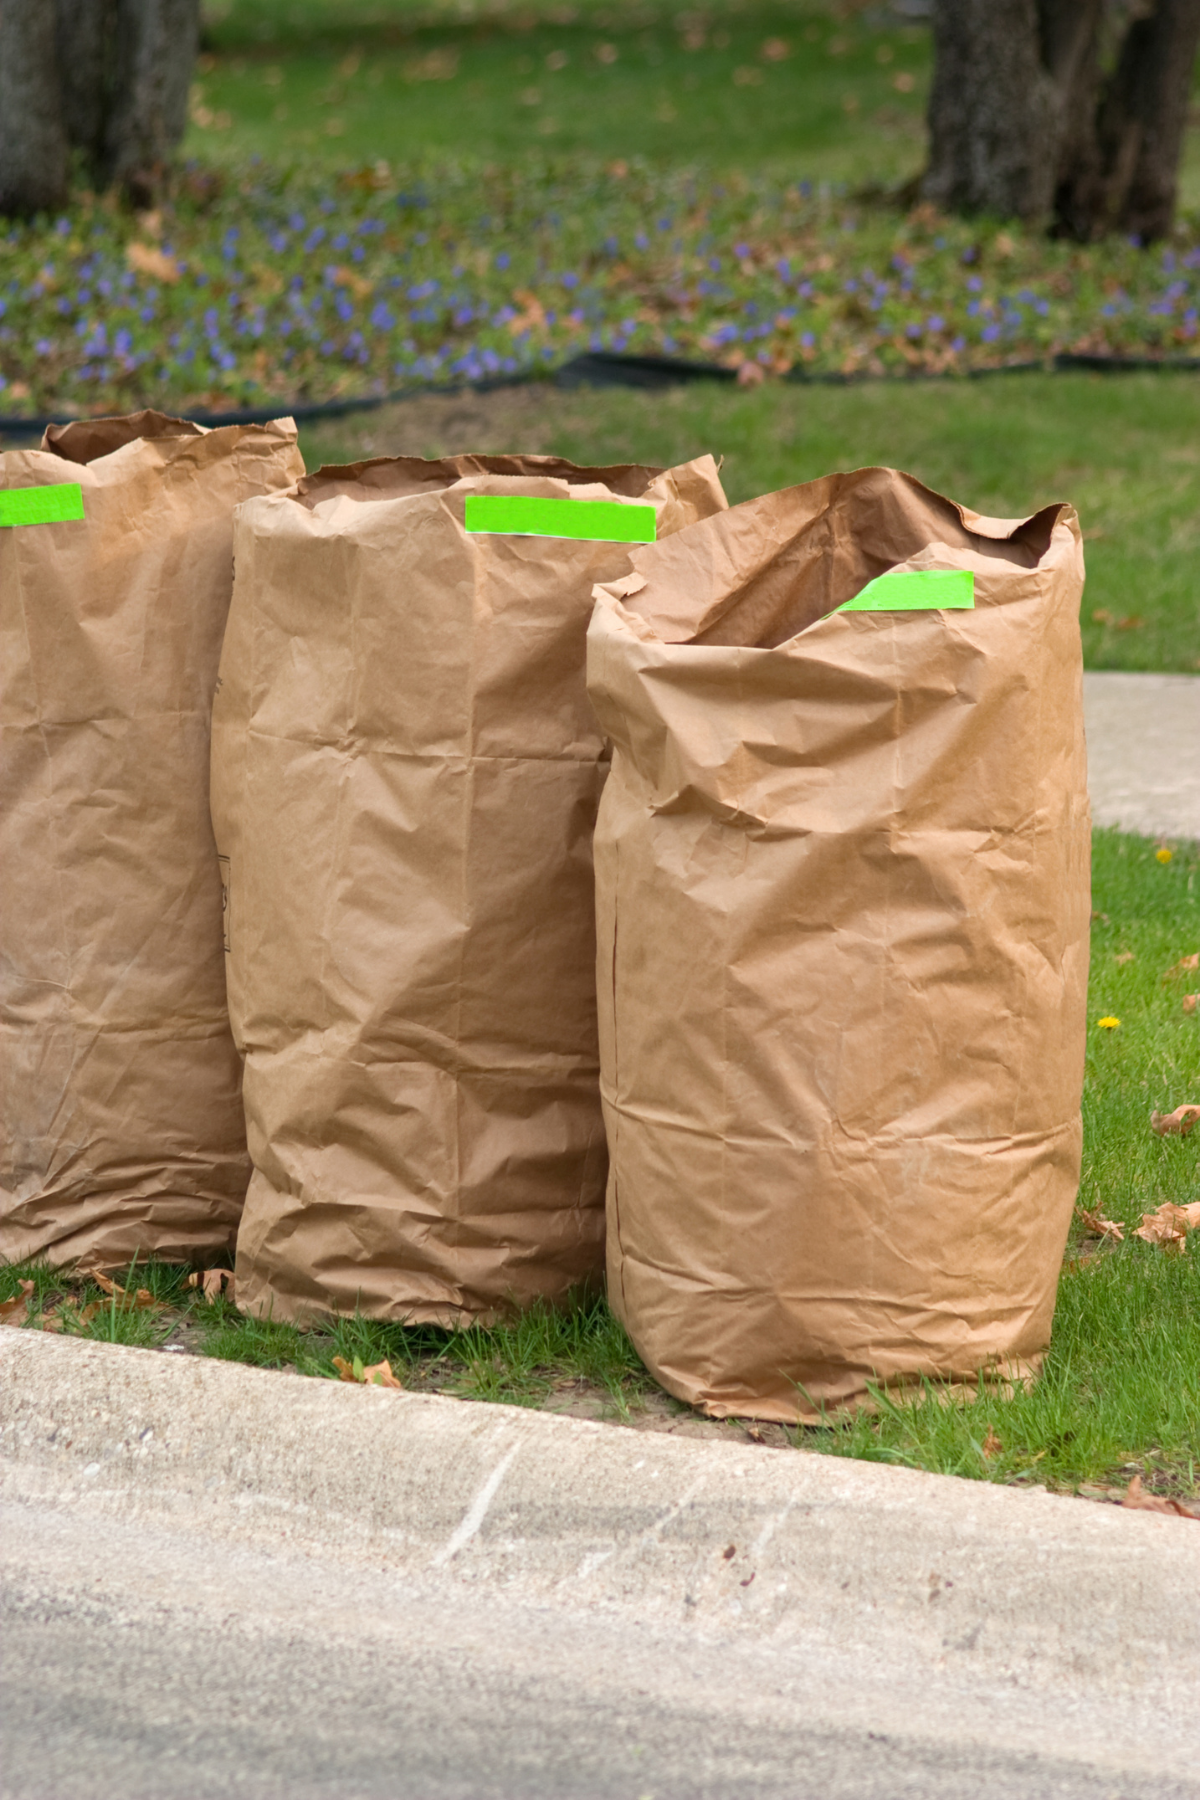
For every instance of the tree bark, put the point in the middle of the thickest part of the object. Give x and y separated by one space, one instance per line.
87 36
1141 121
993 111
1063 112
156 46
33 142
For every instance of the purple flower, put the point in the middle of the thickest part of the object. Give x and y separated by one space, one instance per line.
382 316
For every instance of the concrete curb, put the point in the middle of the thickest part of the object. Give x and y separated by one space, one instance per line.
1021 1587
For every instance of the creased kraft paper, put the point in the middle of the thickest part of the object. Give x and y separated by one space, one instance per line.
842 868
122 1121
405 779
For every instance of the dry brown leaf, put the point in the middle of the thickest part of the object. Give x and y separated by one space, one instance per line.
991 1444
16 1310
380 1375
1099 1227
1181 1121
1137 1497
214 1282
148 260
1190 1002
142 1300
366 1375
1182 967
1168 1225
1126 956
359 286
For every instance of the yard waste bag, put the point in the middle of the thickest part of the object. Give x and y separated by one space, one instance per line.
122 1130
406 771
842 872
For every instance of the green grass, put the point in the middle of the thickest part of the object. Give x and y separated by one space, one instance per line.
1124 450
1120 1392
367 82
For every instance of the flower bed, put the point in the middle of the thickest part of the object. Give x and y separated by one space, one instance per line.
276 286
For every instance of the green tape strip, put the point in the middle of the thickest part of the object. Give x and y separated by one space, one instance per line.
526 515
916 590
41 505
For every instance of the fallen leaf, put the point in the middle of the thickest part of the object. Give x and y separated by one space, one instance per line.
1137 1497
1102 616
1182 967
1125 956
148 260
991 1445
1168 1226
1190 1002
16 1310
142 1300
1178 1122
214 1282
380 1375
750 374
367 1375
775 50
1099 1227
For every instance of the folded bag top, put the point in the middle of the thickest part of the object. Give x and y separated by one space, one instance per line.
842 907
406 771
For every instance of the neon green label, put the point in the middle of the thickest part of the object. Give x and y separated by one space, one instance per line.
41 505
916 590
527 515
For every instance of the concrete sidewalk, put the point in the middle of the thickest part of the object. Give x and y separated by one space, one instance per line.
1143 735
767 1623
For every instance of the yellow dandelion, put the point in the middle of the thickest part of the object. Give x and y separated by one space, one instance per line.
1163 854
1108 1024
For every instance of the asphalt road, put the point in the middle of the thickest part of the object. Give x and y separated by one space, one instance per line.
142 1662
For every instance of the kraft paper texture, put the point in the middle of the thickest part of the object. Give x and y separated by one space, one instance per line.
406 772
122 1127
842 870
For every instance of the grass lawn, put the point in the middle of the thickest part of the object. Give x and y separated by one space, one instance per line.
1120 1394
1125 450
768 84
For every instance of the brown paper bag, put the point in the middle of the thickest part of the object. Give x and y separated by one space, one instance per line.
405 779
842 898
122 1122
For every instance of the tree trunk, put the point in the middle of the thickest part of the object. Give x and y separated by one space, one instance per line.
33 140
1063 112
993 111
87 37
156 50
1126 178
